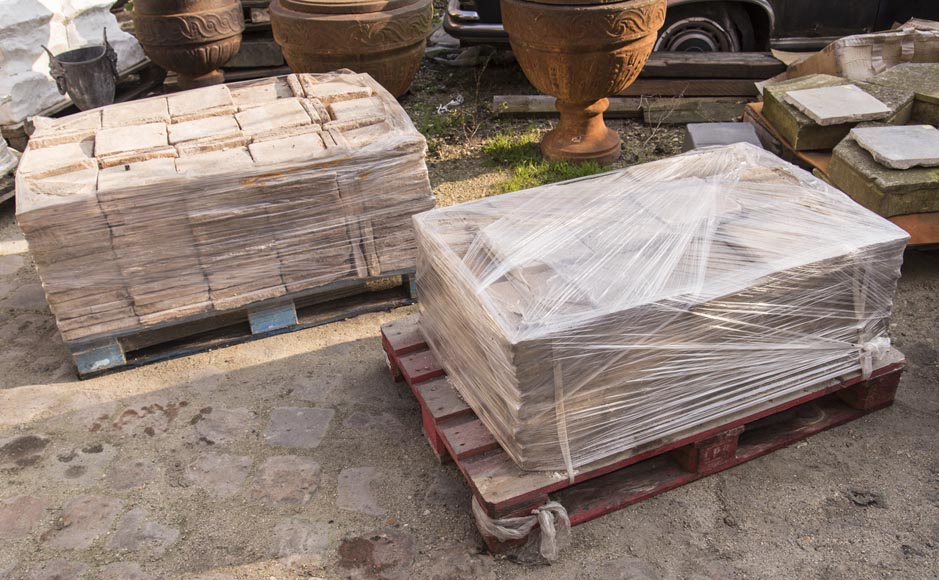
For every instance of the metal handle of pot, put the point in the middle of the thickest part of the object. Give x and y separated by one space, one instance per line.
110 54
57 71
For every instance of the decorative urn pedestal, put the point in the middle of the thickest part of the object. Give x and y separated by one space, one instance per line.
581 52
384 38
190 37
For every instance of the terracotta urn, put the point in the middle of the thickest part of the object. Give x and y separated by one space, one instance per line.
190 37
384 38
582 52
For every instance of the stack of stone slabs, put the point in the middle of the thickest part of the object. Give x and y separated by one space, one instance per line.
889 192
601 316
152 211
804 134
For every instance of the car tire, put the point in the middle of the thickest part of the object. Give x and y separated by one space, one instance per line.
707 27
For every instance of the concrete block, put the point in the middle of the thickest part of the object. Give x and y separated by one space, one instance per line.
357 109
136 113
272 117
214 162
130 138
289 150
136 174
712 134
257 93
58 159
205 128
332 91
197 103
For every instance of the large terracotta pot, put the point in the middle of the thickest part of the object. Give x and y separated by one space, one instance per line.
582 53
384 38
191 37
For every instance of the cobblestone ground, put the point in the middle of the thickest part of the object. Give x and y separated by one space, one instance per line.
298 457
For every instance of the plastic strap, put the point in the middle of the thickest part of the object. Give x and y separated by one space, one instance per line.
872 351
551 518
561 414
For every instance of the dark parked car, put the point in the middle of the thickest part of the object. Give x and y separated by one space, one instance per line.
728 25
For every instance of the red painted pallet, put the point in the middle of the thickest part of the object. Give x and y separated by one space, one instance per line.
503 490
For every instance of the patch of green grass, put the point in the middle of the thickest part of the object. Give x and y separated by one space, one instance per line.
513 148
534 173
520 153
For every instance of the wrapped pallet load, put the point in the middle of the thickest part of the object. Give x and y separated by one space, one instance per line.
155 211
604 316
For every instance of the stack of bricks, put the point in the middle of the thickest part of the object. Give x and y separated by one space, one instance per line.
148 212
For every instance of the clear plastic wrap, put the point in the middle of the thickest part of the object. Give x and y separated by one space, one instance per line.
148 212
611 314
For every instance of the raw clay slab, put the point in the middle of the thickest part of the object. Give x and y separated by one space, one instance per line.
838 105
900 147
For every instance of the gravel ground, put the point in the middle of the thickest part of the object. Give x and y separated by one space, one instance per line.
177 470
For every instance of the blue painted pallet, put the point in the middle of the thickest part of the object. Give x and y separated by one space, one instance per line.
207 331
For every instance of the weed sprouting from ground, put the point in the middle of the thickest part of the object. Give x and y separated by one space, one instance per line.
519 153
533 174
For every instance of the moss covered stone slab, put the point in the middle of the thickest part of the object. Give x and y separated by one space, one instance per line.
889 192
803 133
923 80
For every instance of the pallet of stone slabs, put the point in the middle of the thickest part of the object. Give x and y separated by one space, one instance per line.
333 302
503 490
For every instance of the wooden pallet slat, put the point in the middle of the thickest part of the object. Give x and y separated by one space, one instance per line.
205 331
504 490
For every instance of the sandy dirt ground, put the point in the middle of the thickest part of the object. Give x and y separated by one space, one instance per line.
297 456
169 467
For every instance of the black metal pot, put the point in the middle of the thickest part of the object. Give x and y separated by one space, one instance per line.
87 74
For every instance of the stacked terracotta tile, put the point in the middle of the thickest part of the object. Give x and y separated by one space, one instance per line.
152 211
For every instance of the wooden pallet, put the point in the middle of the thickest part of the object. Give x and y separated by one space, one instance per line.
207 331
503 490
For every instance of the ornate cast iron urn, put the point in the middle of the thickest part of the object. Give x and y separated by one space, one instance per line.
384 38
582 51
191 37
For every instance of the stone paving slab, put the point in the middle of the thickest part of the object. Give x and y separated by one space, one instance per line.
900 147
298 427
837 105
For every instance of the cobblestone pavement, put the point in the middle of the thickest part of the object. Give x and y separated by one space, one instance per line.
298 457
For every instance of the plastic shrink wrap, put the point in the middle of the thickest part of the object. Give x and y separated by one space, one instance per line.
149 212
605 315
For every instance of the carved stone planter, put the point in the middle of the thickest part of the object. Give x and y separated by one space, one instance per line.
191 37
384 38
582 53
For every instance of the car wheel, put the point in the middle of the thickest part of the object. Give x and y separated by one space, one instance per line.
706 27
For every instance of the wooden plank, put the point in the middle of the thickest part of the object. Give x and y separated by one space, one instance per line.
691 88
620 107
419 367
649 478
681 111
466 437
442 400
712 65
404 336
231 328
922 227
